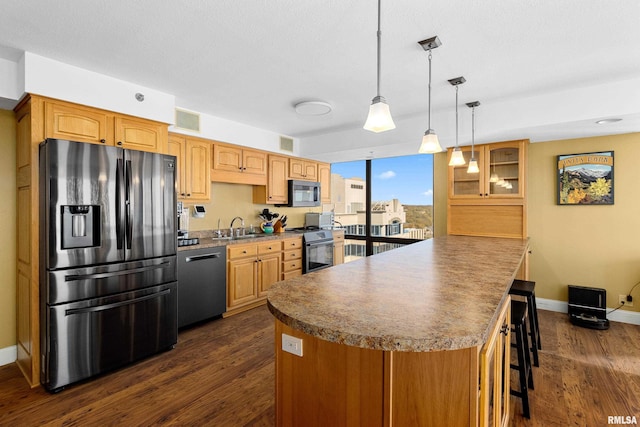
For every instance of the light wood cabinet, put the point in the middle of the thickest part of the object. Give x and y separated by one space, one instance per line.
276 191
193 181
495 372
251 270
492 202
76 123
502 167
461 387
64 120
303 169
238 165
139 134
39 118
338 247
291 258
324 177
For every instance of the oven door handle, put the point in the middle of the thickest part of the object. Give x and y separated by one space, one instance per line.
73 311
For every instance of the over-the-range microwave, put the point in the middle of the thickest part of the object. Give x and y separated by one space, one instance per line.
303 193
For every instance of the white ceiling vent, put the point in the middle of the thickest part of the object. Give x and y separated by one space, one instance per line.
286 144
187 120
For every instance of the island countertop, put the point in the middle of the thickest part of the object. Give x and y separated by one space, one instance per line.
440 294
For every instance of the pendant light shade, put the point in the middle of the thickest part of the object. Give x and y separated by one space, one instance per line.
473 163
379 118
430 143
494 177
457 159
473 166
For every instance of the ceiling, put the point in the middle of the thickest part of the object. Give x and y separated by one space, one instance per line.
252 61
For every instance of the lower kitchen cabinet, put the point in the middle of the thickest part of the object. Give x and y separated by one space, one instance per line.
251 270
291 258
495 373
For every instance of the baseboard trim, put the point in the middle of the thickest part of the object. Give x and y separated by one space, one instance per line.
8 355
624 316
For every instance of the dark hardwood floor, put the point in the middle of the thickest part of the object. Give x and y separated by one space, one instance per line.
221 373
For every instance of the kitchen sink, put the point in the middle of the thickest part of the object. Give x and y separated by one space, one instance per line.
244 237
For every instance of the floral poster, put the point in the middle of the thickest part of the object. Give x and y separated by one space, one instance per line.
585 179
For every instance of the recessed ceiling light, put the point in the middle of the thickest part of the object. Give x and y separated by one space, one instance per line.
607 121
313 108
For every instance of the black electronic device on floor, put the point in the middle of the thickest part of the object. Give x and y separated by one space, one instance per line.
587 307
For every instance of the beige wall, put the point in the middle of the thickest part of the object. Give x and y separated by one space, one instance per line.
231 200
7 229
597 246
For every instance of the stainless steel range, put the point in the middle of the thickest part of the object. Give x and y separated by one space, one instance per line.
318 250
108 290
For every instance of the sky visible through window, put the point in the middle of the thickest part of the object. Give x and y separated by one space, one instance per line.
407 178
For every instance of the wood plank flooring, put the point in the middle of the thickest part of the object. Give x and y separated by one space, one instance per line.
221 373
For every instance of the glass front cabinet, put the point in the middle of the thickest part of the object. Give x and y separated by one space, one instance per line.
501 175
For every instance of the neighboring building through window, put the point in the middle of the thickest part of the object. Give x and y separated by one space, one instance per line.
401 207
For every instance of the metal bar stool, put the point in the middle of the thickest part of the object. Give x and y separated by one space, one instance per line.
519 326
526 288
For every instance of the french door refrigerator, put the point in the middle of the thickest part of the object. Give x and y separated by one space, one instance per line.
108 280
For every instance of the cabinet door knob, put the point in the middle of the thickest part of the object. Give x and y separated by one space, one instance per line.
119 142
182 194
244 252
103 141
188 194
486 194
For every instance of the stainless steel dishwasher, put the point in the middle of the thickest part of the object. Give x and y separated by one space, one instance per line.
202 284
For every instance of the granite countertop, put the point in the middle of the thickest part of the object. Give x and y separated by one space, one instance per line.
439 294
206 239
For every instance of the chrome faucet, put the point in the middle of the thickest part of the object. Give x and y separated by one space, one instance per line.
231 226
218 232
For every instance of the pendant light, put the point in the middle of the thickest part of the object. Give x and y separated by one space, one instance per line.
379 118
473 163
430 143
457 159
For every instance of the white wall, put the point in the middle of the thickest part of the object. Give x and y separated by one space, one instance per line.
44 76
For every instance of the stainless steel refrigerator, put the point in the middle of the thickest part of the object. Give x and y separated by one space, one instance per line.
108 258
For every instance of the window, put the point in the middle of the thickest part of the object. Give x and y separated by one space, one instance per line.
392 196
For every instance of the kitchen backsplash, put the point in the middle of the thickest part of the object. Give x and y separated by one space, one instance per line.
231 200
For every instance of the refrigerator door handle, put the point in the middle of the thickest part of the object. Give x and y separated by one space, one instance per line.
73 311
75 277
119 204
129 222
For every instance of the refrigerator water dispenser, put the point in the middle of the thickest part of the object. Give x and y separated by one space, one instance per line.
80 226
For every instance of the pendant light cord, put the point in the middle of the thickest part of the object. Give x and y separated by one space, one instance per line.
473 130
456 116
429 127
379 34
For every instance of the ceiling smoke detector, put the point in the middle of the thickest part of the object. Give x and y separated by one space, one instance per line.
313 108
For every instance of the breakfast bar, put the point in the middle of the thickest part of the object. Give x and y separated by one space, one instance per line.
410 336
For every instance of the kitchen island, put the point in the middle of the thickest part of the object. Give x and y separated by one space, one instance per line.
406 337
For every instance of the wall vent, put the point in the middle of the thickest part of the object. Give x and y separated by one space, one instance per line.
187 120
286 144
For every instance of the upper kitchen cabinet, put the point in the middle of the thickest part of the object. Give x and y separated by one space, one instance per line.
493 201
238 165
64 120
324 177
501 176
140 134
276 191
193 158
303 169
76 123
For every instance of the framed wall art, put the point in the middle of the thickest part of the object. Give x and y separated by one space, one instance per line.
585 179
